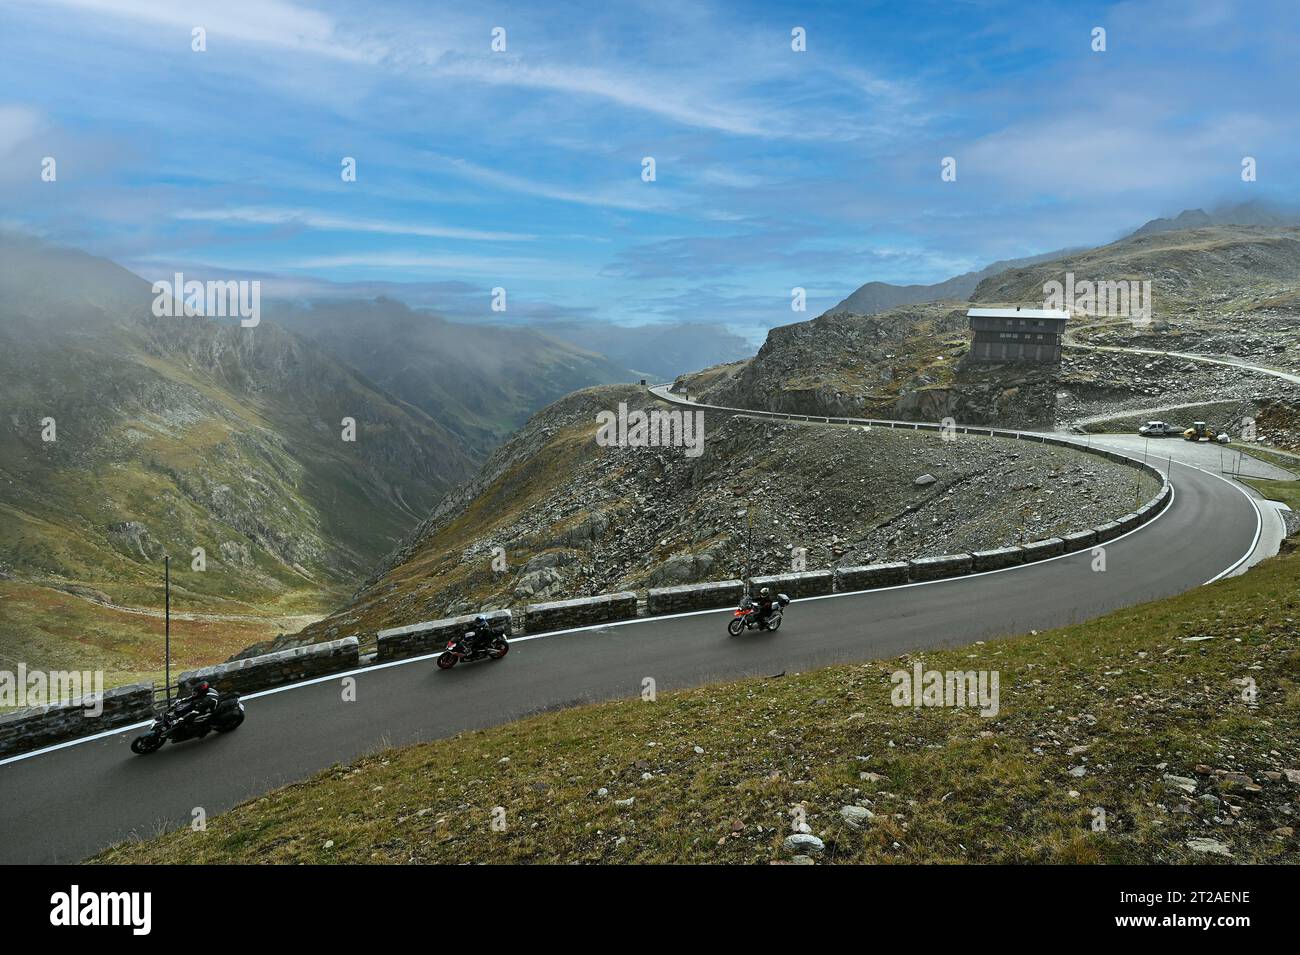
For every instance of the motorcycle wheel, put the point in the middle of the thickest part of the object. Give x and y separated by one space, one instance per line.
736 626
499 649
146 744
774 624
447 660
230 724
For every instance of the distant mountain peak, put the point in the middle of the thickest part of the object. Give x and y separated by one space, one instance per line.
880 296
1255 212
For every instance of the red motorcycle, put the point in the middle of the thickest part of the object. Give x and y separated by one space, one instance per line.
746 616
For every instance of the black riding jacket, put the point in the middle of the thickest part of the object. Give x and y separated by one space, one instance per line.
478 635
198 703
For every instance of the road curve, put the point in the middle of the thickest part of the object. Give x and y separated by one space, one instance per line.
66 803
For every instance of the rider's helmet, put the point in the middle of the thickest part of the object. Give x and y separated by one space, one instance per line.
480 622
202 687
765 592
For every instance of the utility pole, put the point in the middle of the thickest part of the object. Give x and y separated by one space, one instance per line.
749 543
167 625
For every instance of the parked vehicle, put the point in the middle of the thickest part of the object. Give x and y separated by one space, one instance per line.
1157 429
1198 432
180 726
464 649
746 615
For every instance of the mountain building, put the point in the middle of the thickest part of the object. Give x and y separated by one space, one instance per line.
1016 334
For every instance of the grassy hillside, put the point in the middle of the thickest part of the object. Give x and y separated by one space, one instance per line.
1210 270
172 434
1140 713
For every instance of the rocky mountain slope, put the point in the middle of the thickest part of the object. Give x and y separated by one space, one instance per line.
572 518
1220 290
903 363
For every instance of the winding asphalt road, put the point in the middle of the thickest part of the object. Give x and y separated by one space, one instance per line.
65 803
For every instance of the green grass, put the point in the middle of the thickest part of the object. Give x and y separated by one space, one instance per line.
50 629
1288 492
1130 696
1286 462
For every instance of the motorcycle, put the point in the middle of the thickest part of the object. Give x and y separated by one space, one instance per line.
226 716
746 616
458 651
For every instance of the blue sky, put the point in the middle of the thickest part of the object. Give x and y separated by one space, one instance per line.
522 168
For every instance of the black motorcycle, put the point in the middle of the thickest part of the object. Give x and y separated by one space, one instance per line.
168 725
466 649
746 616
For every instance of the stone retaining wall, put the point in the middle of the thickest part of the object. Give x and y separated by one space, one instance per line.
562 614
431 636
1080 540
998 558
277 669
937 568
1128 521
722 593
871 575
809 583
22 731
1107 532
1041 550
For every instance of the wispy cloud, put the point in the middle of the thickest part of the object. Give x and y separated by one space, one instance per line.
503 268
652 93
633 198
273 23
336 223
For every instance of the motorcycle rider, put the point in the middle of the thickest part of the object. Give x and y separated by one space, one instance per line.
202 699
763 607
480 635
